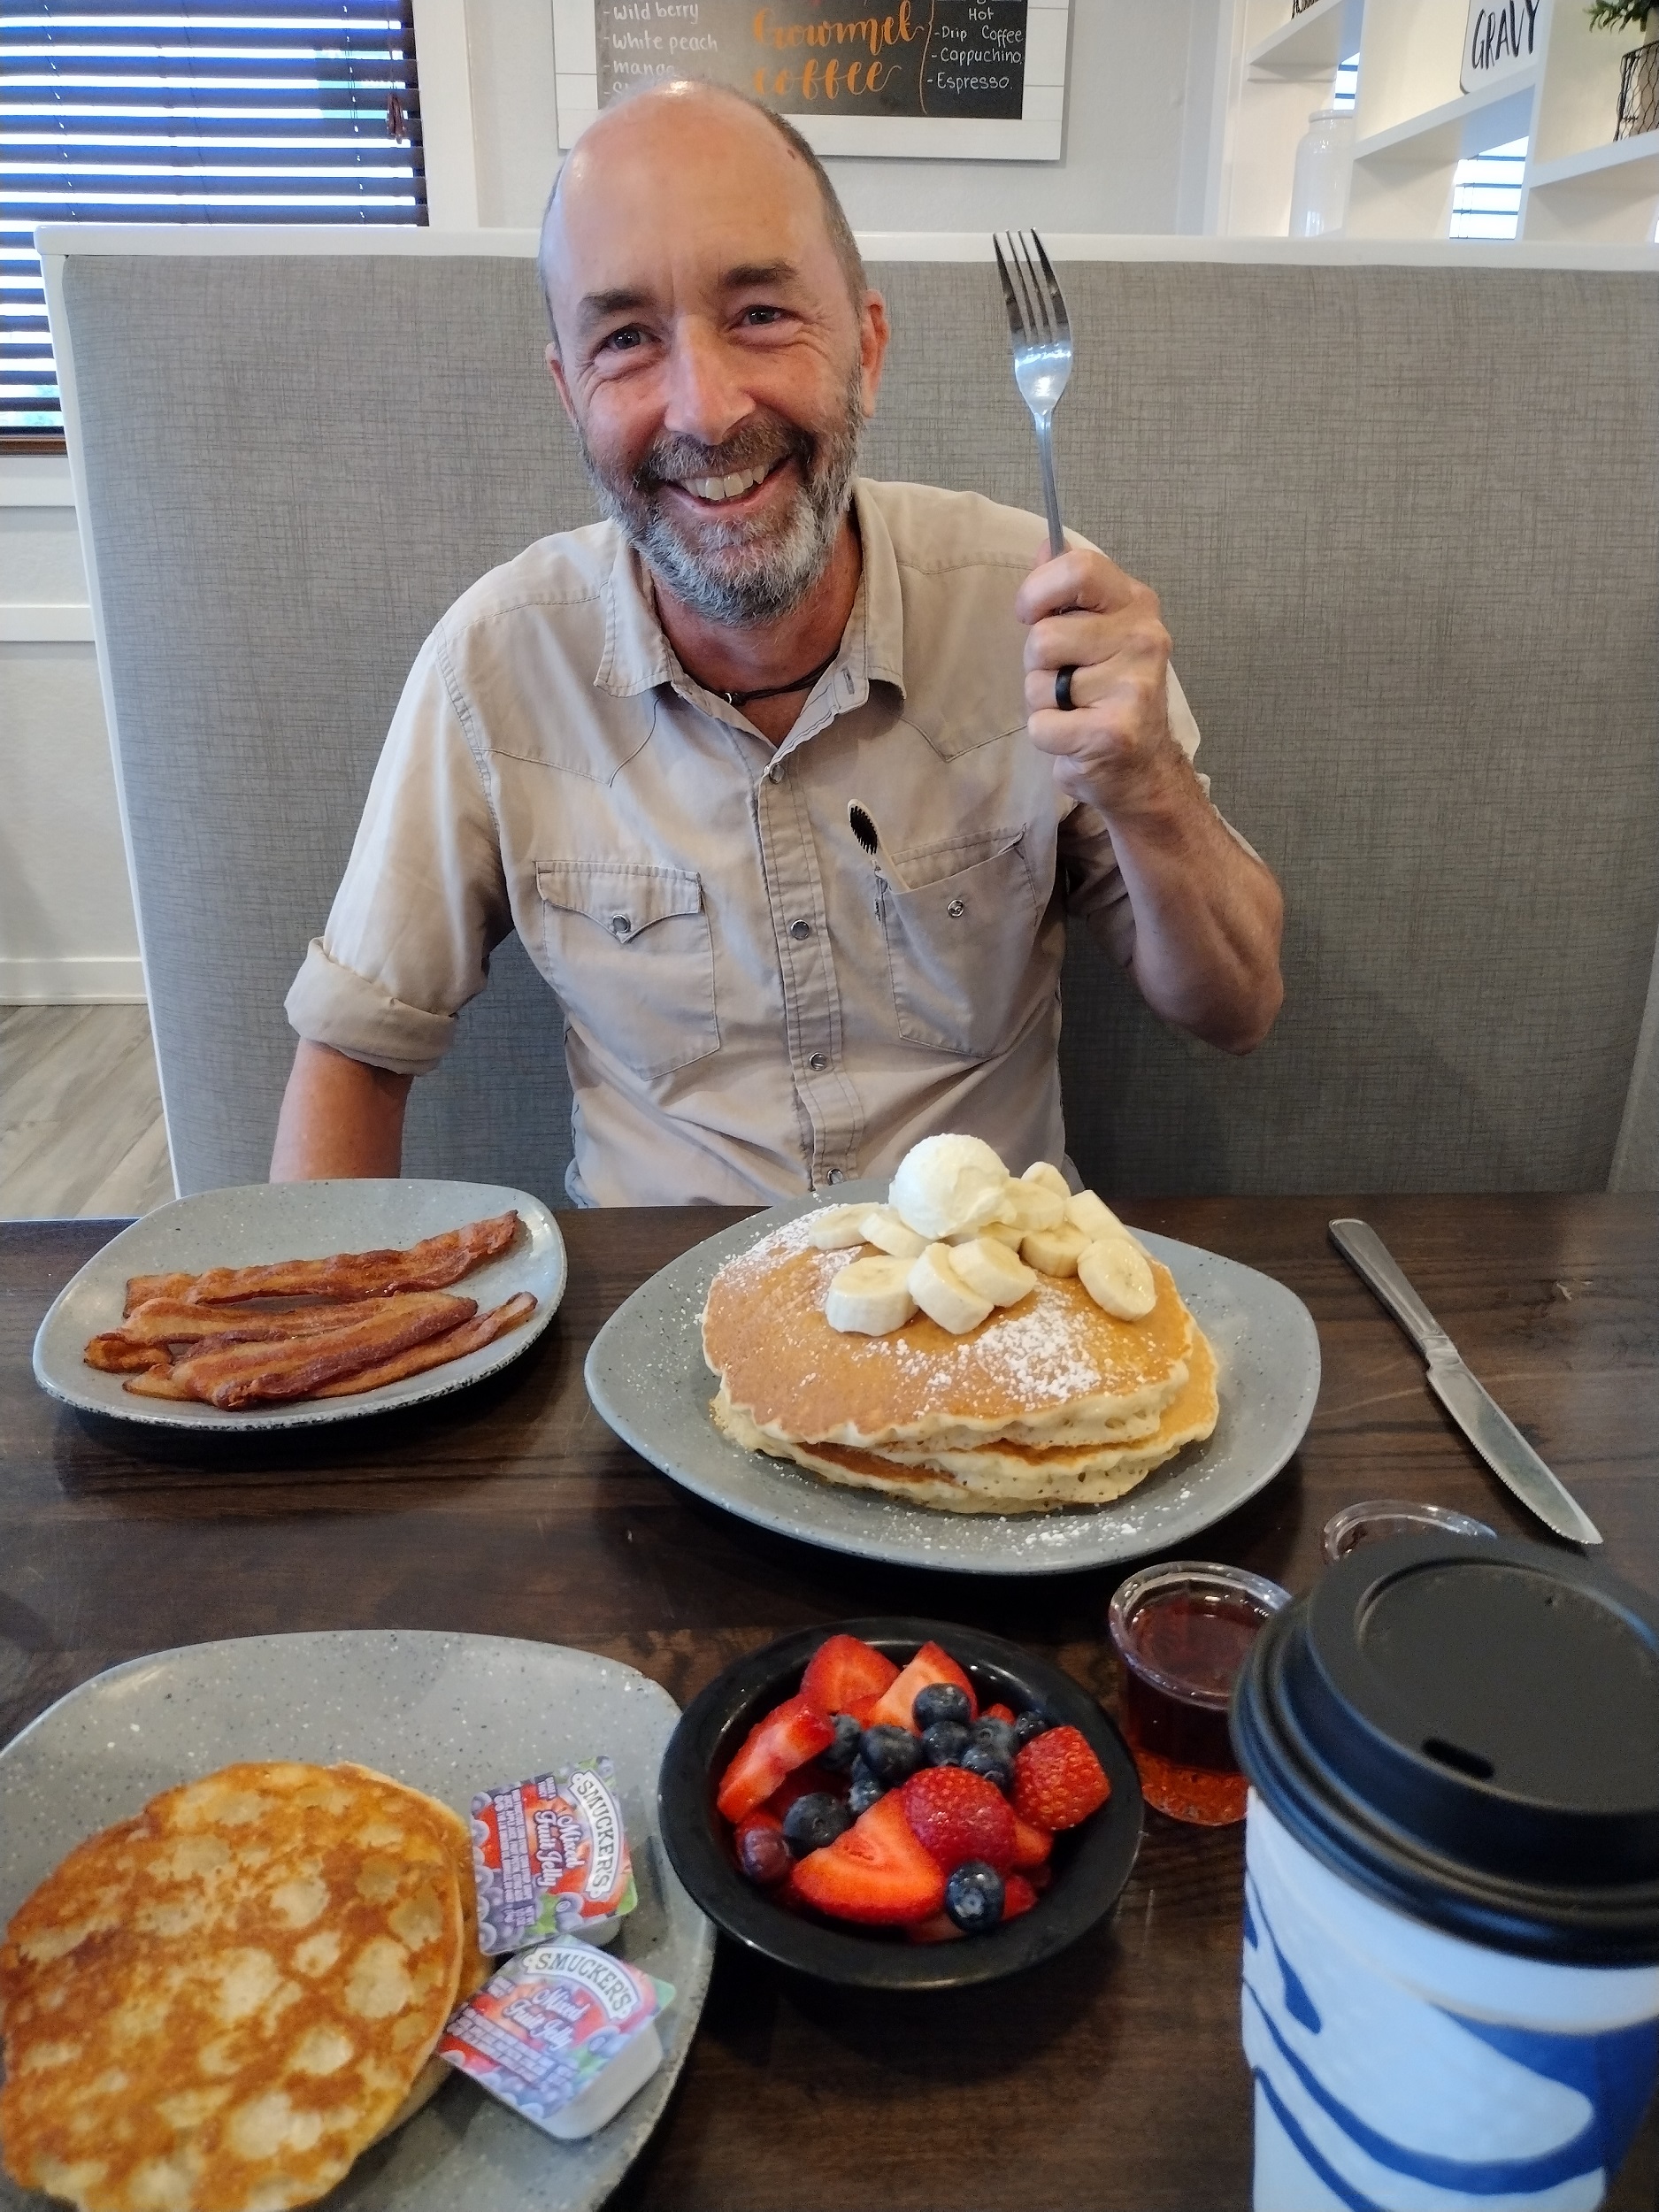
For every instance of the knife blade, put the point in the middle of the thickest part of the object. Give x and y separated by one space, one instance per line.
1476 1411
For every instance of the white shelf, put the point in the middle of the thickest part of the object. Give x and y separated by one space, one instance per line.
1310 46
1457 128
1414 126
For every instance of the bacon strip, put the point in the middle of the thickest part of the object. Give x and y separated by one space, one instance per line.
237 1375
115 1353
179 1321
428 1265
437 1351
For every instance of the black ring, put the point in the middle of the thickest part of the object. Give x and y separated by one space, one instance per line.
1063 698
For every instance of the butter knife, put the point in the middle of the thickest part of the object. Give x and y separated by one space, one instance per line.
1482 1420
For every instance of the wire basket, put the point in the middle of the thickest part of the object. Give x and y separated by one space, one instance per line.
1639 92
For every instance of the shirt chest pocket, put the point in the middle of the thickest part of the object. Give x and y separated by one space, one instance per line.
959 947
630 951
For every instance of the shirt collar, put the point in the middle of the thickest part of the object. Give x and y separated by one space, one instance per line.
637 656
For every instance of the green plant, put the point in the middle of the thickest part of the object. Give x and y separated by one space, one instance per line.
1619 15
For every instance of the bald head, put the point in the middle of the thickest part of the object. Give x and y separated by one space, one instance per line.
675 134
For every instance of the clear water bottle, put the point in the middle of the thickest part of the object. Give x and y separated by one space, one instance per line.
1324 163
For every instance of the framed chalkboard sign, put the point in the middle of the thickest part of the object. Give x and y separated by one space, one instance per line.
959 79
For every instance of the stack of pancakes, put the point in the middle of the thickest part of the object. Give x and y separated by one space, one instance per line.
216 2005
1052 1402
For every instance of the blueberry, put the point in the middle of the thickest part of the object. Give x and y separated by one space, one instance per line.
980 1759
866 1789
944 1743
891 1753
940 1700
813 1821
995 1736
763 1855
973 1896
844 1750
1029 1725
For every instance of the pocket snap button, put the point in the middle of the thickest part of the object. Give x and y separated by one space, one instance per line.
955 909
800 930
818 1061
620 925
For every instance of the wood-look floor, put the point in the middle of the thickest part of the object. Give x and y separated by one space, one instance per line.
81 1126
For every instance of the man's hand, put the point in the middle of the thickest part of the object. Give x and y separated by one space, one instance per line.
1113 751
339 1116
1207 915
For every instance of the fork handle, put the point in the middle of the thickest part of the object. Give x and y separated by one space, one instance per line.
1050 496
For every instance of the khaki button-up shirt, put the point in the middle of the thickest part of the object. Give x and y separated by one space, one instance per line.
753 1006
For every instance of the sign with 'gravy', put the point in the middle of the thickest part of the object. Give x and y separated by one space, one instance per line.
902 59
1500 38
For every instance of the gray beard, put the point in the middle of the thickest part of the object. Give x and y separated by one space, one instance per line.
739 574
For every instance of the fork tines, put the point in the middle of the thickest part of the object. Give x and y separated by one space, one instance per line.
1036 305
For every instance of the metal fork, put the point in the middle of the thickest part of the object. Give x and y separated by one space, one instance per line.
1043 349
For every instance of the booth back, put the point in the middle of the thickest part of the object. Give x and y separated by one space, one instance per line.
1405 527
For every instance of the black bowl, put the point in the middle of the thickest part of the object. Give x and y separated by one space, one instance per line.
1091 1862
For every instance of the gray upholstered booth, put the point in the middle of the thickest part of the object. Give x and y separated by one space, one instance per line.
1402 513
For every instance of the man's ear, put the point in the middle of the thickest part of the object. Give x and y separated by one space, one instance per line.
873 333
556 370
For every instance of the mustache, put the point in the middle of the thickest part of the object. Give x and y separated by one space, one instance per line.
759 444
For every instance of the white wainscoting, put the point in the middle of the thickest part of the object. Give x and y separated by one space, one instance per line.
66 928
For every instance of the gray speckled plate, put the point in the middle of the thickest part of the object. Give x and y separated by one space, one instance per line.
257 1222
646 1375
448 1714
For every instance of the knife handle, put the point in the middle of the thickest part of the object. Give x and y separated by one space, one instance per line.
1366 1252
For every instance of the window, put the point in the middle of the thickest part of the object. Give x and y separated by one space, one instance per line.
229 113
1487 192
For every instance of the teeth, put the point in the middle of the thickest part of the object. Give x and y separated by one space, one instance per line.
718 488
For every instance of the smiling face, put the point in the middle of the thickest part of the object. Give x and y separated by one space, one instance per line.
714 364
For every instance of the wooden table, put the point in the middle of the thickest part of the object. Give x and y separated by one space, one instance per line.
1113 2075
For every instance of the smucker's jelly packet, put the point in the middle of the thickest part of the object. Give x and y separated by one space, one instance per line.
564 2034
550 1858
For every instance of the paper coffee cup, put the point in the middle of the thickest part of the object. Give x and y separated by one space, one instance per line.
1451 1947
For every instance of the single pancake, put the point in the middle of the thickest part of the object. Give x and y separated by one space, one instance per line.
214 2006
1054 1369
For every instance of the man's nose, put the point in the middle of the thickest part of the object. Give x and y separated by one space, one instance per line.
706 399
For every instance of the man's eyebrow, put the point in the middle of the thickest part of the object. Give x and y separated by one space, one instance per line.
622 299
749 275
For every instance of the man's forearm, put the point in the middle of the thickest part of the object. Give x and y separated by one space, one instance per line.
339 1116
1208 918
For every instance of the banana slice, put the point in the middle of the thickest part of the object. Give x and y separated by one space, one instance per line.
1093 1216
1008 1233
869 1297
991 1270
838 1228
1117 1275
1047 1176
882 1227
1054 1251
941 1293
1034 1205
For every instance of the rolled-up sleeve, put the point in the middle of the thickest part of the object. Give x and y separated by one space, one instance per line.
423 901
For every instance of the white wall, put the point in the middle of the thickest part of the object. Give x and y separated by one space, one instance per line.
66 926
1140 89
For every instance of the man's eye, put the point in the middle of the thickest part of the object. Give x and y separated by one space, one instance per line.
623 341
761 315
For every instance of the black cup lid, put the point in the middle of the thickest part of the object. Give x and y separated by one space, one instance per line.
1470 1732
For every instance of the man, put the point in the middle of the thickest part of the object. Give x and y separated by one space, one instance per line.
662 747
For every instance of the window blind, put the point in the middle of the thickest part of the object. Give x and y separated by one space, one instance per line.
231 114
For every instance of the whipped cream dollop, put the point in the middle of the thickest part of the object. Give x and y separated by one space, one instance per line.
948 1187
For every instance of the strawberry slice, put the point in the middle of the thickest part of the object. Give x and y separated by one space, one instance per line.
960 1815
999 1712
846 1675
810 1780
1018 1897
930 1665
939 1929
1032 1845
877 1873
1057 1779
790 1734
